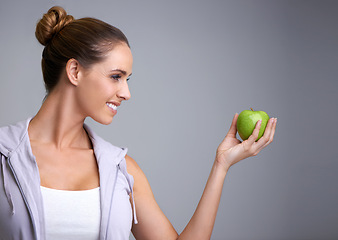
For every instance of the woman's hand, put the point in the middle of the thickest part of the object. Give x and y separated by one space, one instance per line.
231 150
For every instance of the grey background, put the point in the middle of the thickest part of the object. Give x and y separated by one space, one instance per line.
196 63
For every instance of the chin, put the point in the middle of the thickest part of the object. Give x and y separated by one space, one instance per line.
104 121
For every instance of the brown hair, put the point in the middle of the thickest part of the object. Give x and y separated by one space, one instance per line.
86 40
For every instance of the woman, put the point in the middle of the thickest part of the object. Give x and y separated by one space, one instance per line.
59 180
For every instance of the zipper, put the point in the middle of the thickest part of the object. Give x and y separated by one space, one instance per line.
24 197
111 201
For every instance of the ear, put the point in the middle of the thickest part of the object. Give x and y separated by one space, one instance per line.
72 70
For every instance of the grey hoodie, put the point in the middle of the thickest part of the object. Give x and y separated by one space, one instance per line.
21 203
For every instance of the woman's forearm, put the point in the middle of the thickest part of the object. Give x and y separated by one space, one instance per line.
202 222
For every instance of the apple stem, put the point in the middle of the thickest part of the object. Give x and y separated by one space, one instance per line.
251 109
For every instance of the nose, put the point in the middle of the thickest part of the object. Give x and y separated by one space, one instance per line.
124 92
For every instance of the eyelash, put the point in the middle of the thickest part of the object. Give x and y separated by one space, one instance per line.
117 77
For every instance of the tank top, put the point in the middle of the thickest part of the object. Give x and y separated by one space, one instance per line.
71 214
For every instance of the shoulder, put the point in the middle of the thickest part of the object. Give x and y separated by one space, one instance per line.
141 183
132 167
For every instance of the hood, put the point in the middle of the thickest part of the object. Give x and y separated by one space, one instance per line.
101 147
16 132
11 138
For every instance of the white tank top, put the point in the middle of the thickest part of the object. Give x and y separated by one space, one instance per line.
71 214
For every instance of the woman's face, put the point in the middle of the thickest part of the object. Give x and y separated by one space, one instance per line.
103 86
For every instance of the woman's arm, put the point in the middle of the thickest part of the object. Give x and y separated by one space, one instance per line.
229 152
152 222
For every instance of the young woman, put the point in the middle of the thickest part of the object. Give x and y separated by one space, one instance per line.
59 180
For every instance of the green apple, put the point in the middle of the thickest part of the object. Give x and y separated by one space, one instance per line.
247 120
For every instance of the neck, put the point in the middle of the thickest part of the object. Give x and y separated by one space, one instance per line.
58 122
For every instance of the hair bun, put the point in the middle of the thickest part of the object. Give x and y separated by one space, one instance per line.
51 23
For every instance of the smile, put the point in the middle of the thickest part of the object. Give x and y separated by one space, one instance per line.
112 106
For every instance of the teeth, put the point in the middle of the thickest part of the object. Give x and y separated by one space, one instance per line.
112 106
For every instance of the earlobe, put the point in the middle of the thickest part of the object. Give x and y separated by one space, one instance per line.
72 70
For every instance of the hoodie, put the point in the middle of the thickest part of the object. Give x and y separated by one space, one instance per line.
21 203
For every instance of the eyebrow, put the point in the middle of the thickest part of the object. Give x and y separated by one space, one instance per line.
121 71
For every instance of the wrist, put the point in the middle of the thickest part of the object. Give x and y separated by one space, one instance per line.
222 164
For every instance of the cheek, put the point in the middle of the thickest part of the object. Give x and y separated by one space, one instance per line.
90 95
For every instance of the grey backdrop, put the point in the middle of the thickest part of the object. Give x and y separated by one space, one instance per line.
196 63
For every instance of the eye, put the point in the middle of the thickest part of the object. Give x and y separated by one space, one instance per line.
116 76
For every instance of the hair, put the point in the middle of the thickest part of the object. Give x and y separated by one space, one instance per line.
86 39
